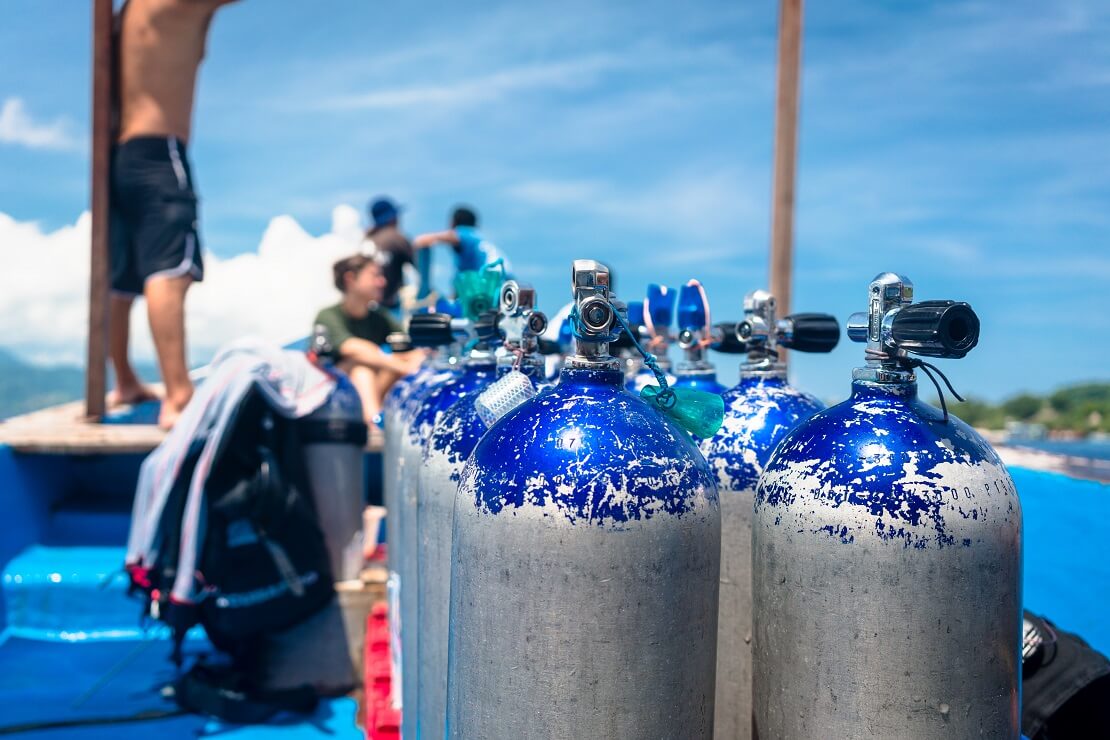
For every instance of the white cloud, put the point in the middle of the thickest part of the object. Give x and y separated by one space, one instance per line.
566 75
17 127
272 293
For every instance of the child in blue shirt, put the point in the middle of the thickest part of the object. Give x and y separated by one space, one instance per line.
472 252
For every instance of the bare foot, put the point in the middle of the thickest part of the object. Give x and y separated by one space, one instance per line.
130 395
169 414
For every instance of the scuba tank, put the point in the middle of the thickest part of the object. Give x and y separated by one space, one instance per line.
584 561
432 330
759 412
886 553
334 437
694 335
658 315
453 438
632 364
477 371
557 342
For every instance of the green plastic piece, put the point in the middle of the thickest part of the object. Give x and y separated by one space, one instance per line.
698 412
477 291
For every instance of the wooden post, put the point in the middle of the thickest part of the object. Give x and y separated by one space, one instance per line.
96 360
786 154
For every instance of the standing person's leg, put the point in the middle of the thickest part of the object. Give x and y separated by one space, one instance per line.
126 285
129 389
167 254
165 301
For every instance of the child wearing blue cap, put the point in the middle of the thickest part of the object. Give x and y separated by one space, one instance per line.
392 248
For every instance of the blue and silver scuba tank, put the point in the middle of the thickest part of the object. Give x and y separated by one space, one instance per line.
584 560
886 553
452 440
401 464
631 361
334 437
759 411
477 371
695 334
557 342
658 315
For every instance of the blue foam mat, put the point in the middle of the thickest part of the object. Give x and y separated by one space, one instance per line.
43 681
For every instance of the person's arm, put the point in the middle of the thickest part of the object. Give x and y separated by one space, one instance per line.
367 353
436 237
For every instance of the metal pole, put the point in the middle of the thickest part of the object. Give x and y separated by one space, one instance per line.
786 153
95 369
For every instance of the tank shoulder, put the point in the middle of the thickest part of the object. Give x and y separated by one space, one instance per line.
456 432
903 472
757 416
442 398
589 454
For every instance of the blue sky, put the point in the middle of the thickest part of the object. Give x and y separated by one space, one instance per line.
963 144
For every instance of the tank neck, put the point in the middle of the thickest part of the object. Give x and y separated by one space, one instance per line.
695 368
764 369
777 381
882 372
592 376
531 365
864 389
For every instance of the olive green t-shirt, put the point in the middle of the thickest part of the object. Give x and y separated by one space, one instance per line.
374 327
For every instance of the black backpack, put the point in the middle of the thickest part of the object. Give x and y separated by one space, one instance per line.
263 564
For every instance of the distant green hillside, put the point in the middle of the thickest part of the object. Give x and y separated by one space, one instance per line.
1083 408
25 387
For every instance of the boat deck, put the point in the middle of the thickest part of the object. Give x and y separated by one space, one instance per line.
75 661
63 430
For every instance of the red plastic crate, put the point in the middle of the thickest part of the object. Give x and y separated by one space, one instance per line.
383 722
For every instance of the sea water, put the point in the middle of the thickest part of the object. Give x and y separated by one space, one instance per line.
1067 568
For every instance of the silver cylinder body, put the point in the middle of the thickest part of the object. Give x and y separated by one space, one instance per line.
405 552
886 551
759 412
400 532
434 511
584 574
454 436
338 484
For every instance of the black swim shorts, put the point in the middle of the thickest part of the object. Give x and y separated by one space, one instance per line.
154 214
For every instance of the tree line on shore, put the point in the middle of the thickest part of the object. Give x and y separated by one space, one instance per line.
1077 410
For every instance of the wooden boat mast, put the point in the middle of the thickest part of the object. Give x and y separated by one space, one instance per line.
96 360
786 150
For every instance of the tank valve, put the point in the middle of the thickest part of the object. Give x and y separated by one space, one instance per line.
519 321
894 327
761 333
596 315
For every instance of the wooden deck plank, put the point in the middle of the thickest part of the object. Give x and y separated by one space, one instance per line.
64 430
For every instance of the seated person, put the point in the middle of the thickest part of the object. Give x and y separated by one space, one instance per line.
357 328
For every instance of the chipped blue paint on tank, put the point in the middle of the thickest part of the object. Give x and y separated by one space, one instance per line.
759 412
888 454
443 396
459 428
413 400
700 382
590 452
